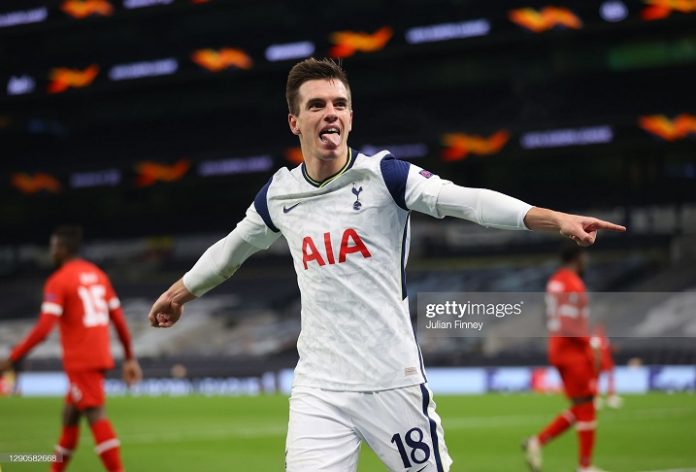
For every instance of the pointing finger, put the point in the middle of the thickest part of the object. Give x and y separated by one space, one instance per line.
601 224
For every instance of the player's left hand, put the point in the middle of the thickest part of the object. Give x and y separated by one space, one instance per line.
583 229
132 373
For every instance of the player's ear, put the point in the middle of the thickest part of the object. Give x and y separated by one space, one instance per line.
292 122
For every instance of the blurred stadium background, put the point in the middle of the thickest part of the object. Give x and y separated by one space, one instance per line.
154 122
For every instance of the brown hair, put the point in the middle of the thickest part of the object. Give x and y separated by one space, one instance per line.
70 237
312 69
571 252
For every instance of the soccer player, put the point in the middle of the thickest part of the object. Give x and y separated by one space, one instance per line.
576 356
345 217
79 297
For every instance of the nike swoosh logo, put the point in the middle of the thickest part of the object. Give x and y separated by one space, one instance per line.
419 470
288 209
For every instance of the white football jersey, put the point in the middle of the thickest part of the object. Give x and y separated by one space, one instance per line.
349 239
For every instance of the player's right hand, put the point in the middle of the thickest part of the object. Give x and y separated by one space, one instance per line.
165 312
132 373
583 229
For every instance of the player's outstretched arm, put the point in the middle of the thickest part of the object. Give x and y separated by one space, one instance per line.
218 263
42 329
170 305
581 229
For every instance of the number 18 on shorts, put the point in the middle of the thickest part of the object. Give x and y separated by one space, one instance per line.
400 425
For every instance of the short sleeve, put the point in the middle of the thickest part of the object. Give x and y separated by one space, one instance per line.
254 230
412 187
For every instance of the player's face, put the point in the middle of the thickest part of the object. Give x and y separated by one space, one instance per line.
324 120
57 251
582 264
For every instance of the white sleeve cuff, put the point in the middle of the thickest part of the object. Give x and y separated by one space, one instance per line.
52 308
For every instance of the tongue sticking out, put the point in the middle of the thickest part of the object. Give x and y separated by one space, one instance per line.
331 138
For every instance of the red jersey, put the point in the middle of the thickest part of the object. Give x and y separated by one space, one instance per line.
567 317
80 296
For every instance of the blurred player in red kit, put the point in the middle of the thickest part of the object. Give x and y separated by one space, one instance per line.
79 297
576 356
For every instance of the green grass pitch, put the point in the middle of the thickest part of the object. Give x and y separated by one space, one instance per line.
655 432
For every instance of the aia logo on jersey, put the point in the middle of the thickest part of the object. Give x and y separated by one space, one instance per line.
350 243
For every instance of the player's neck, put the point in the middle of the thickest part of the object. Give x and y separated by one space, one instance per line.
66 260
322 169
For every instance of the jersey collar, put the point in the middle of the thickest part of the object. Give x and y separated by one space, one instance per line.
316 183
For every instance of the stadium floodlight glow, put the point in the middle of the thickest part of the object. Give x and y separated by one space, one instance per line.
81 9
400 151
567 137
660 9
459 146
63 78
236 165
447 31
35 183
669 129
101 178
294 155
151 172
283 52
216 60
613 11
545 19
132 4
23 17
20 85
348 43
138 70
